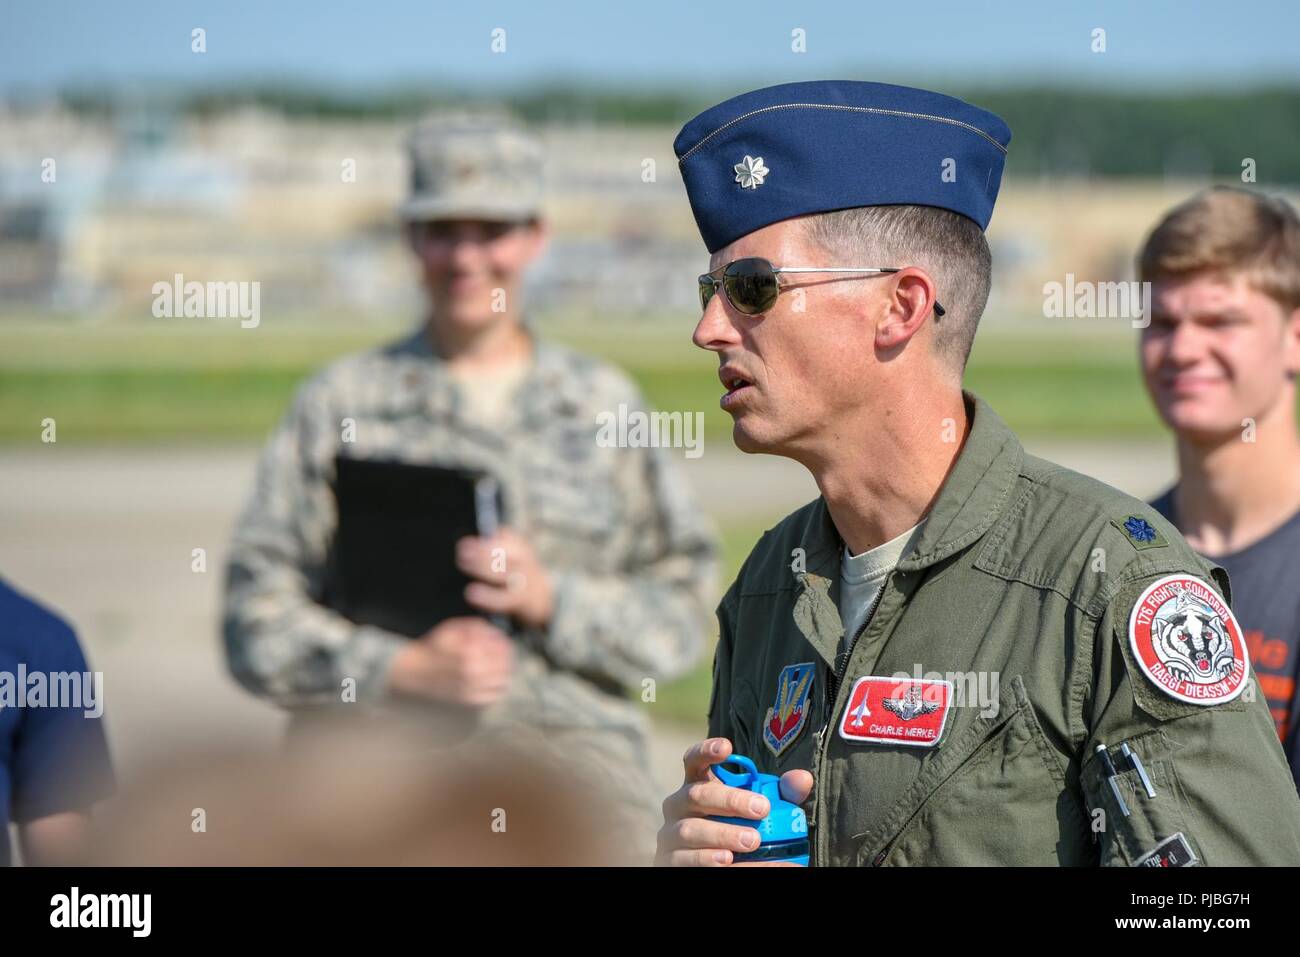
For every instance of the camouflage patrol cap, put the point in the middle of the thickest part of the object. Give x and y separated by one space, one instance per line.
473 165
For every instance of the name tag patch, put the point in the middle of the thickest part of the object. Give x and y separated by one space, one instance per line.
910 711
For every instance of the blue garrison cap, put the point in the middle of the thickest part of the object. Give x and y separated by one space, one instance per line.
813 147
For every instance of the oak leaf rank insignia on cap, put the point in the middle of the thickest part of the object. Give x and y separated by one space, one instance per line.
750 172
837 144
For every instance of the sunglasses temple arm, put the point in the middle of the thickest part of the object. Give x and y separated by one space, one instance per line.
832 269
939 311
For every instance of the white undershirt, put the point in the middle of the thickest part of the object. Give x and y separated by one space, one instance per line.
863 576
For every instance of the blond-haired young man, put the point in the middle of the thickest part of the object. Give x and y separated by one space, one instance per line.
1220 358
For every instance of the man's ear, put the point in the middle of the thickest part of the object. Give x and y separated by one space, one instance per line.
1291 342
911 302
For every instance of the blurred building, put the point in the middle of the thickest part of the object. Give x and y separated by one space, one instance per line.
306 207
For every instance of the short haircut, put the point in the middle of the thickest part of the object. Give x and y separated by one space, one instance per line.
947 245
1226 230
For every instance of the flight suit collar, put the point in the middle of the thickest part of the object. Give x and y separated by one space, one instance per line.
969 503
972 498
976 491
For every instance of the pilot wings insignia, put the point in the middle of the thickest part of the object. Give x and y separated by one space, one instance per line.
911 705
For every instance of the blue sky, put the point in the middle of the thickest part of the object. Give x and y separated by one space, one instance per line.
703 44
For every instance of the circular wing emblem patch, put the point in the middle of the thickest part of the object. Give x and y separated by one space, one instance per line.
1186 640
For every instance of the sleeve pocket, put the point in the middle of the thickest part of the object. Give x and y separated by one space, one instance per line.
1126 839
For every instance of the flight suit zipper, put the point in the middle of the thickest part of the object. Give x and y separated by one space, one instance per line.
833 681
837 675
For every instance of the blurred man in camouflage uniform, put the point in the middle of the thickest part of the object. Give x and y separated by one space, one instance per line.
608 563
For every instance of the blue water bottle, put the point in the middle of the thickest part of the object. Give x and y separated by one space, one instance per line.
784 832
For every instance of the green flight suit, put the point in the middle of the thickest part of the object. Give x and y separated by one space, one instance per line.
1021 585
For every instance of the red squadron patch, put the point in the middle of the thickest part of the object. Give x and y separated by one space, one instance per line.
1187 641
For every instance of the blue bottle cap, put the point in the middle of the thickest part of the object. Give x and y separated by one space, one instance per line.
784 832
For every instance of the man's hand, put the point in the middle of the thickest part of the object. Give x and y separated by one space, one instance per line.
687 839
464 661
509 580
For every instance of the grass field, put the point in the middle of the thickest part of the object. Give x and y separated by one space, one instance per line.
123 383
167 382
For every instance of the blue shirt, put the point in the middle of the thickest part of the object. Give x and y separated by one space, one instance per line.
52 759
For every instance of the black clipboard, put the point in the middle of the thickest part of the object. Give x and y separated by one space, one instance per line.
392 563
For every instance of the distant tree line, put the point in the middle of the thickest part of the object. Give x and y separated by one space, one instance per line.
1096 132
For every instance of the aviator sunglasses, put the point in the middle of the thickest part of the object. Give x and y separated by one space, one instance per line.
751 285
